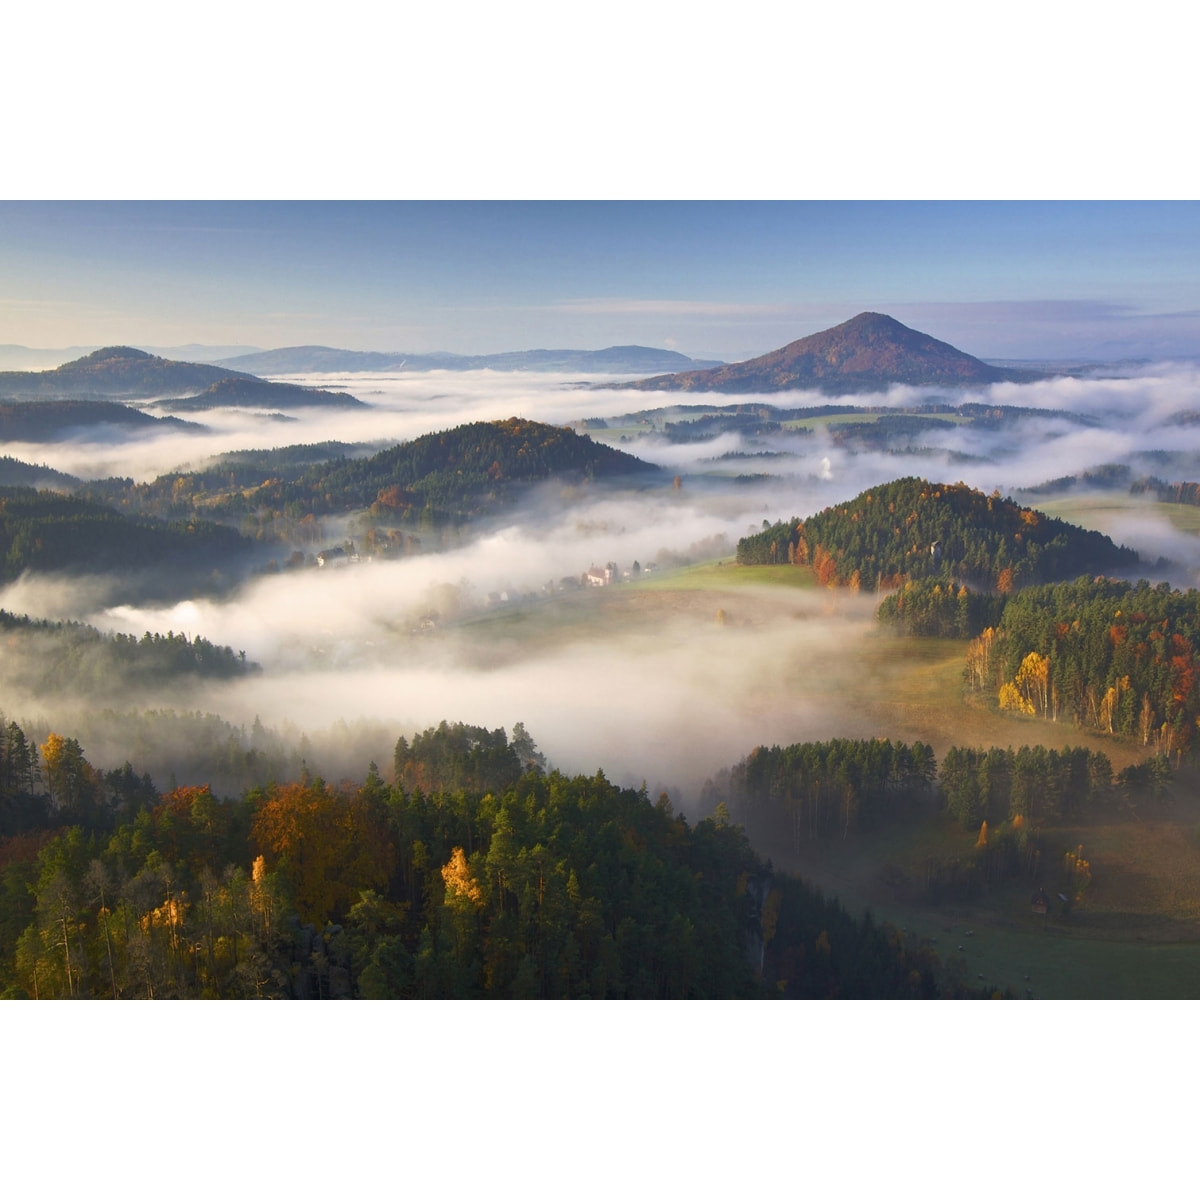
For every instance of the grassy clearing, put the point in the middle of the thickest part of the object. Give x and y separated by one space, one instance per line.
1136 935
862 418
725 574
1099 511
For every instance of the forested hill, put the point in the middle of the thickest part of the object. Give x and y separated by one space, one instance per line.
45 531
259 393
58 420
912 529
467 470
15 473
500 880
445 478
119 372
868 353
124 374
44 658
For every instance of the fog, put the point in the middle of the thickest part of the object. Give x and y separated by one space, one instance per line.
653 686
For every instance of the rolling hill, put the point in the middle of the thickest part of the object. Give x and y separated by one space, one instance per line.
446 478
58 420
912 529
115 372
868 353
122 373
45 531
242 392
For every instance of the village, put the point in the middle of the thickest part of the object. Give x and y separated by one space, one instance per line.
336 558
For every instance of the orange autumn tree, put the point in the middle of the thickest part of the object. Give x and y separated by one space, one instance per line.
330 845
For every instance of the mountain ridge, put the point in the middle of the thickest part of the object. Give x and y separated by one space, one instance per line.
294 360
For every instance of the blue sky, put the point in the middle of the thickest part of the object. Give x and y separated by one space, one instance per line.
725 280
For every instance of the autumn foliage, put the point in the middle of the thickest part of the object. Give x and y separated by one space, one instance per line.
329 844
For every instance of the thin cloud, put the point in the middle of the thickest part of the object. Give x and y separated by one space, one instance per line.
614 305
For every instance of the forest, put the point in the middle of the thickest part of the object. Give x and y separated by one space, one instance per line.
437 480
49 657
474 874
911 529
1101 653
46 531
1119 657
936 608
1015 801
54 420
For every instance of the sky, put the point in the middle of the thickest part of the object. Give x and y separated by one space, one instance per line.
726 280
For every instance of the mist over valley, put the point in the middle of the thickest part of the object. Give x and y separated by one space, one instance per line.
310 571
471 625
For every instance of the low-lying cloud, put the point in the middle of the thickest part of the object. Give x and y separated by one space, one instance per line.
665 689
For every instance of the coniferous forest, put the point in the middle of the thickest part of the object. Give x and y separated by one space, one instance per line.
475 874
911 529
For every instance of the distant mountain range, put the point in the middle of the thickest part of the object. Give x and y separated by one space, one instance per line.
121 373
615 360
868 353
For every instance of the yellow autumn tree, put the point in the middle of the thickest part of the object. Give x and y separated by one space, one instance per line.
1033 682
464 899
1078 872
52 756
461 887
1011 700
979 660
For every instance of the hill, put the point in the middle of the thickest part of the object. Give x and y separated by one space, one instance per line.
123 373
868 353
911 529
58 420
117 372
615 360
446 478
543 887
240 392
457 474
44 531
15 473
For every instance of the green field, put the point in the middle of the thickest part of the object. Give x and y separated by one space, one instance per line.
1099 510
725 575
1136 935
862 418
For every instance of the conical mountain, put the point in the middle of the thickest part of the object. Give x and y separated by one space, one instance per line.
867 353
